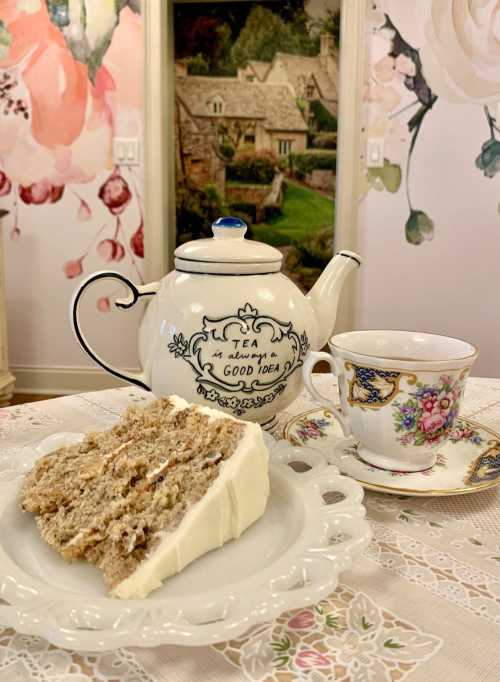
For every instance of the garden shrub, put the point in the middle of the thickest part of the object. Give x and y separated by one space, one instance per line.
244 207
305 162
226 150
325 141
196 210
252 167
271 212
307 259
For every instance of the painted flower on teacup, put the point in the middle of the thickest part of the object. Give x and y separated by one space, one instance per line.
428 416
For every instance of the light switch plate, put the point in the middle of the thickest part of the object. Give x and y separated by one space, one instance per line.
126 151
375 152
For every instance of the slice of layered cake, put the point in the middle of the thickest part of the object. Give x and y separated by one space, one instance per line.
142 500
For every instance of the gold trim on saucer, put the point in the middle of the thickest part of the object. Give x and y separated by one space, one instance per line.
428 492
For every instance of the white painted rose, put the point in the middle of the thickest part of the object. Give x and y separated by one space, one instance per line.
461 56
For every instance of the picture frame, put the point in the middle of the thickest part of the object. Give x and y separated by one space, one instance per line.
159 142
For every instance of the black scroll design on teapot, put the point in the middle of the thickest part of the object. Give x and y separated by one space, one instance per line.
221 389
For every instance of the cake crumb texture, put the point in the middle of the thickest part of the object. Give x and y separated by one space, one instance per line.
109 499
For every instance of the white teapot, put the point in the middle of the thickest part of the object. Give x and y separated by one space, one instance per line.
226 328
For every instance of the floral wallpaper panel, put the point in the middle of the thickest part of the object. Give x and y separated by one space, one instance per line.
429 54
70 81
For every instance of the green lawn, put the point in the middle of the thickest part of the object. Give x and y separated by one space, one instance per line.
304 211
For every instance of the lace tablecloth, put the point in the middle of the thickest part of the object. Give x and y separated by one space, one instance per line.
423 603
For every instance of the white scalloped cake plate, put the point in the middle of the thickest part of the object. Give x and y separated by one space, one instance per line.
469 464
289 558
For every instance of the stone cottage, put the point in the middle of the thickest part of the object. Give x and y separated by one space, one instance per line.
311 78
213 113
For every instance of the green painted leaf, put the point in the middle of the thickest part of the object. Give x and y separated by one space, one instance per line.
281 660
332 621
365 624
434 524
473 541
419 227
388 177
5 40
391 644
282 645
88 27
495 558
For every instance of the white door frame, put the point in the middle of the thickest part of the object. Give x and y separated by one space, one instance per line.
352 76
159 138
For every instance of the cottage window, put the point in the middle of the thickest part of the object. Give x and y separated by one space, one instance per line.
284 146
310 91
249 138
217 105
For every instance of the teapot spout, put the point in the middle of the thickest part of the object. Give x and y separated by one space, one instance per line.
324 295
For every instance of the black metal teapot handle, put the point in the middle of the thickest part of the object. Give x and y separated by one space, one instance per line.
138 378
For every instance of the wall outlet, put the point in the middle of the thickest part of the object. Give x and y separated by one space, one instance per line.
375 152
126 151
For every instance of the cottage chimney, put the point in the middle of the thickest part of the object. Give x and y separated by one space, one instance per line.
327 55
326 45
181 69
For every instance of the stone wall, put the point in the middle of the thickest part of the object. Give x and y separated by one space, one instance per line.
321 179
254 194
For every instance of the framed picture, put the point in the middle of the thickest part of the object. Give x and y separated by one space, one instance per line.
256 104
253 108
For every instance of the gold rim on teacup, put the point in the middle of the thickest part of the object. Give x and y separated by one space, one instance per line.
380 357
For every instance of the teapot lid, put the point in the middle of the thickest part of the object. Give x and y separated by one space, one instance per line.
228 252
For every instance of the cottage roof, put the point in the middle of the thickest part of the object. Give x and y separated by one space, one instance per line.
273 103
259 68
299 68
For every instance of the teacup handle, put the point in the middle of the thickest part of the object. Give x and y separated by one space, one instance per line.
311 361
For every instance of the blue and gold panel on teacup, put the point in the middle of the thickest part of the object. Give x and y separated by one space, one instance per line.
374 388
486 467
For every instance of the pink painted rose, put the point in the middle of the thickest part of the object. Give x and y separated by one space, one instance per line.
428 404
49 85
309 658
302 620
5 184
43 192
137 241
404 65
115 193
431 422
384 69
386 96
73 268
103 304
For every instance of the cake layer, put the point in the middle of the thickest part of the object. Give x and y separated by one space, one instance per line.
168 483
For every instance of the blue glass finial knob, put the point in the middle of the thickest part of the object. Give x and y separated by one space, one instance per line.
229 221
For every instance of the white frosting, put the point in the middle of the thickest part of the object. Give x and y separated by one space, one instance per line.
233 502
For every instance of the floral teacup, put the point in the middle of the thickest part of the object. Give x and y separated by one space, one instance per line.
400 392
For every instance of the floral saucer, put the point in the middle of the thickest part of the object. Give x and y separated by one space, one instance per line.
468 462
